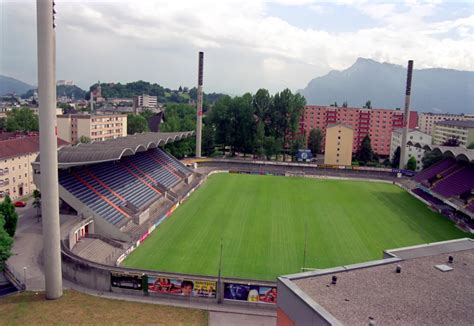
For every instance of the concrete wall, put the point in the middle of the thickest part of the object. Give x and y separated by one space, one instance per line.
299 308
64 128
98 277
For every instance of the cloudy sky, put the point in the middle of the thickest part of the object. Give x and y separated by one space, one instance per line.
248 44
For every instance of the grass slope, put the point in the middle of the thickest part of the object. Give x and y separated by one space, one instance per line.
262 221
75 308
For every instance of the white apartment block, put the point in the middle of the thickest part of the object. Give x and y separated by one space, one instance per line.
426 121
462 130
16 172
71 127
147 101
415 136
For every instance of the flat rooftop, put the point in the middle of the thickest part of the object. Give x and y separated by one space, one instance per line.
419 295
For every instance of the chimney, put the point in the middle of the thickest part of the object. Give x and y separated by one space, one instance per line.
406 116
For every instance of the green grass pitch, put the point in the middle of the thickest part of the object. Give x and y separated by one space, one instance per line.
262 222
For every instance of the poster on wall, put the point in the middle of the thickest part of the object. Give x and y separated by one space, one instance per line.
190 288
250 293
126 281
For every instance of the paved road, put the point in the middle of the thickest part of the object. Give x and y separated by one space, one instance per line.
27 249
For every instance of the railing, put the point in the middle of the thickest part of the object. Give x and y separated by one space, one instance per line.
14 277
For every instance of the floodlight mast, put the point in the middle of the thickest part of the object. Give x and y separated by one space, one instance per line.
406 116
199 105
46 39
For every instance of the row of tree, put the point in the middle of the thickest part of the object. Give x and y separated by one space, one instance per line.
20 119
165 95
8 222
259 124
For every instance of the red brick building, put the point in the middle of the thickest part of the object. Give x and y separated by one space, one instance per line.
377 123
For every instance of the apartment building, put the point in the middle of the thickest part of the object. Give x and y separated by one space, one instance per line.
444 130
71 127
377 123
16 173
147 101
338 144
427 120
415 136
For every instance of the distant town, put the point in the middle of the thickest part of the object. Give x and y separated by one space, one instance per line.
112 110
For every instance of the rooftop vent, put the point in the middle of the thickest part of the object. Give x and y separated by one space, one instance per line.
443 268
450 259
398 269
334 280
372 321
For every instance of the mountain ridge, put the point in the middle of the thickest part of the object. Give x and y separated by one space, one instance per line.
10 85
433 89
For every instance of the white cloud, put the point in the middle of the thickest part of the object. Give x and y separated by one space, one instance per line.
160 40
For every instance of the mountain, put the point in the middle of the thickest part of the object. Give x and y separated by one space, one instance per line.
433 90
10 85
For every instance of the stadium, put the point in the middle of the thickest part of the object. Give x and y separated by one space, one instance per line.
139 221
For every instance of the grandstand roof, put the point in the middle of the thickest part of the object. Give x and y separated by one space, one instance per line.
459 153
115 149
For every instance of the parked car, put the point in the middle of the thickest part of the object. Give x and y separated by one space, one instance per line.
20 203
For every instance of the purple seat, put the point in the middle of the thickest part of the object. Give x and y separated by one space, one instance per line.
456 183
435 169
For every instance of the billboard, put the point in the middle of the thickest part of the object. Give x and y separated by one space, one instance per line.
126 281
182 287
250 293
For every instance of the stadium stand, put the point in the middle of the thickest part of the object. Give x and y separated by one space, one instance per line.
448 185
125 185
117 190
456 182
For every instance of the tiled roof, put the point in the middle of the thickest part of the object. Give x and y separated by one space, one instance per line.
22 146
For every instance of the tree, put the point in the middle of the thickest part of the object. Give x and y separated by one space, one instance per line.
22 120
272 147
3 123
365 153
7 210
37 203
470 146
315 141
136 124
84 139
208 143
368 105
6 242
411 164
431 158
180 117
396 158
344 104
297 143
147 114
260 139
452 142
261 104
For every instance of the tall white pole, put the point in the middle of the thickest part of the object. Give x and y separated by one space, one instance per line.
48 148
406 116
199 105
